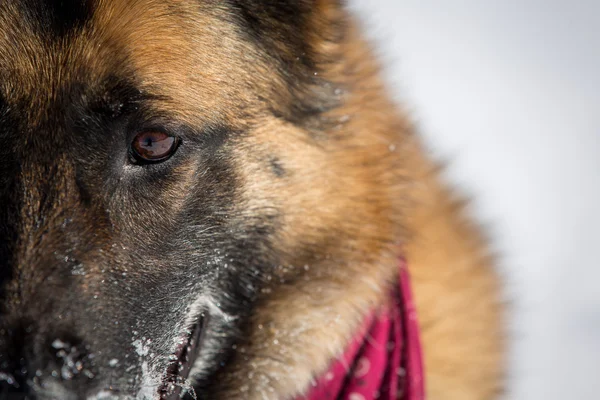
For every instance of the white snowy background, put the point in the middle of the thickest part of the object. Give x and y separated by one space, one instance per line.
508 92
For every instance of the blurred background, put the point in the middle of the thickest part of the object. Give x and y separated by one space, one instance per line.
508 94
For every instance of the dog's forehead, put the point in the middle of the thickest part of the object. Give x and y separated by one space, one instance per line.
176 50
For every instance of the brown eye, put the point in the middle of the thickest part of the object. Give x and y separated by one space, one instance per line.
153 146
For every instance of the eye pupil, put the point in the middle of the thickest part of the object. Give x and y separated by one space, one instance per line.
153 146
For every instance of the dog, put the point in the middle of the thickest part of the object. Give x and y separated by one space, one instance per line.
208 198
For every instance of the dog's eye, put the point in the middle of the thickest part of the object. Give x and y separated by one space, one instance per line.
153 147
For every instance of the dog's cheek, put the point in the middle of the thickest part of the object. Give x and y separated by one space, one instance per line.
284 178
144 204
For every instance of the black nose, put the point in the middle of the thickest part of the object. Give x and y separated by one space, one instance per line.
33 361
11 390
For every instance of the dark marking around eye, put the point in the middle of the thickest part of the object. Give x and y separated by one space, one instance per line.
276 167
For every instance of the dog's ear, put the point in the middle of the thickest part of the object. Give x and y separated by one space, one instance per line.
294 29
303 39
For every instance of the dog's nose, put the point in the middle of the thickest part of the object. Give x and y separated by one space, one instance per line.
13 389
71 361
34 361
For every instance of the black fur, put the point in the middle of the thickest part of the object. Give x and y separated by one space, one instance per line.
274 23
58 17
80 144
277 168
97 263
280 29
9 193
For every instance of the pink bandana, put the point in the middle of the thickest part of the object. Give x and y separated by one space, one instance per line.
383 361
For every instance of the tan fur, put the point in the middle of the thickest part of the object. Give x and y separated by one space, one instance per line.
300 329
382 195
350 205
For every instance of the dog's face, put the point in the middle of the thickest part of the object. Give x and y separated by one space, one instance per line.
163 166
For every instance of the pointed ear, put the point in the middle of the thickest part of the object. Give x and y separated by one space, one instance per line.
302 40
289 29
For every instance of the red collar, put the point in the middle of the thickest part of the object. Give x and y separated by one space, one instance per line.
384 360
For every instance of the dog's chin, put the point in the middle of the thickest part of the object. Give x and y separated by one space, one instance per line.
176 381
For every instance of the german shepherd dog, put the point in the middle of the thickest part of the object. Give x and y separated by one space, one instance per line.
213 194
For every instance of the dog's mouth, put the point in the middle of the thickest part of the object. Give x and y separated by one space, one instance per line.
176 384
